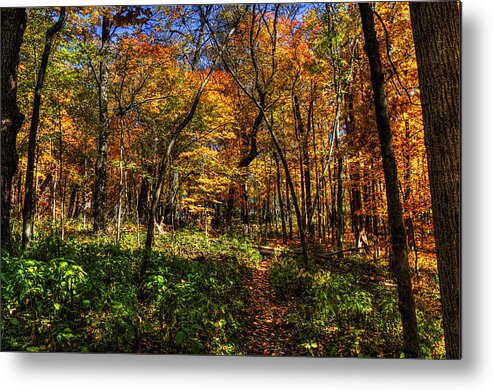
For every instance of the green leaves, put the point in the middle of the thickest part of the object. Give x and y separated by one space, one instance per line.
336 315
69 296
197 297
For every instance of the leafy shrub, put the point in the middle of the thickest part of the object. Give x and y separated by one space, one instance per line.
75 296
339 315
286 277
40 298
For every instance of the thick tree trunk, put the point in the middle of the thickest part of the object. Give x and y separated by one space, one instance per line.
436 30
100 170
142 201
28 210
399 261
13 24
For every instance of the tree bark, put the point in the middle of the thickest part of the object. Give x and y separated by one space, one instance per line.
142 200
436 30
305 168
398 259
156 196
279 196
13 24
340 211
28 210
100 170
120 181
289 181
288 212
356 202
73 201
247 158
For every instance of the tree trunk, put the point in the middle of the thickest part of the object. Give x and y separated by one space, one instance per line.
399 261
142 201
120 181
28 210
355 199
288 212
247 158
13 24
305 167
72 203
63 180
245 205
340 211
279 196
267 209
318 187
100 170
436 30
167 155
289 181
156 196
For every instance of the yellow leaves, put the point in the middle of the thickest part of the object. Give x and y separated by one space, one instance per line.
174 12
302 273
151 88
211 175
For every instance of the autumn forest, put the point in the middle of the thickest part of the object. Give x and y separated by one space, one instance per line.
232 179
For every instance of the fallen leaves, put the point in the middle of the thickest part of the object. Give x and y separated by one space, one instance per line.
267 334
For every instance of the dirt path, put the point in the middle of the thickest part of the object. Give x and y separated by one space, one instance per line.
267 325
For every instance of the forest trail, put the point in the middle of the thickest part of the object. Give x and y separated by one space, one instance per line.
267 318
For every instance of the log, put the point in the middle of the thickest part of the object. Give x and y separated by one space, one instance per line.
269 251
332 254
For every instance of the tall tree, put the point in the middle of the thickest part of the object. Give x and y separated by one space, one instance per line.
249 154
304 165
436 30
165 159
260 82
100 170
13 25
399 259
28 210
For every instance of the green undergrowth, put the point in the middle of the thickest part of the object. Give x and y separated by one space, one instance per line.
348 308
91 297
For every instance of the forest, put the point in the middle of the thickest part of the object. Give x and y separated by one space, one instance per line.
232 179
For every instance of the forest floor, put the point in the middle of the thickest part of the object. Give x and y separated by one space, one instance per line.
267 321
221 295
